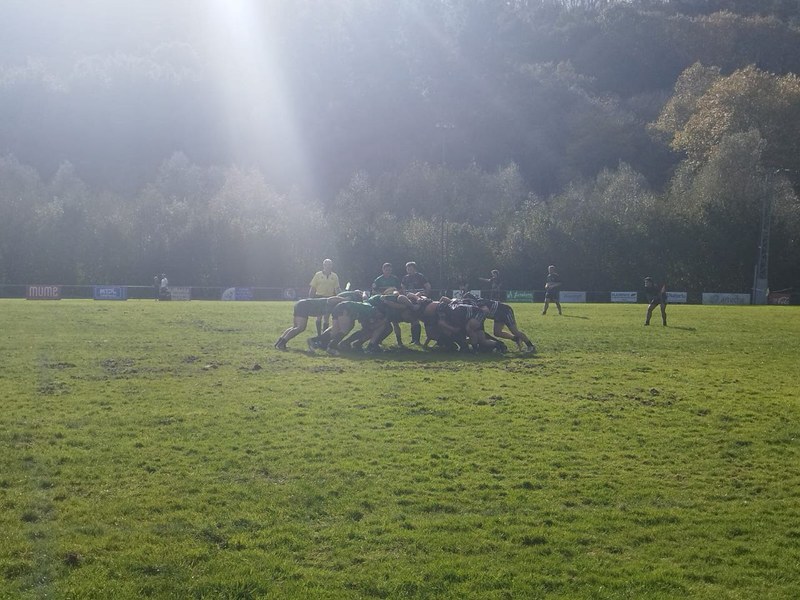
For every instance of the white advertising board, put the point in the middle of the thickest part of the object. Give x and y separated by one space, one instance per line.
677 297
180 292
572 296
624 296
718 298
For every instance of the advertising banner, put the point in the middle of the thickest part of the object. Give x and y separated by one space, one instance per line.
677 297
43 292
238 294
457 294
717 298
519 296
624 296
110 292
779 297
572 296
180 292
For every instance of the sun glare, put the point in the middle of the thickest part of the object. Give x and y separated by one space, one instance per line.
251 78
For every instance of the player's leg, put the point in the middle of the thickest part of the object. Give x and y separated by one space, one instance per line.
664 312
510 321
499 331
416 332
298 327
650 308
341 327
319 325
398 333
376 331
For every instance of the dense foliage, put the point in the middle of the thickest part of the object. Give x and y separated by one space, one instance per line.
611 138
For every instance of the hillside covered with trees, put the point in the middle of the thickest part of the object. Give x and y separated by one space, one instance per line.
240 143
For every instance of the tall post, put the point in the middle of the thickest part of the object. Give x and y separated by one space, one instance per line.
761 275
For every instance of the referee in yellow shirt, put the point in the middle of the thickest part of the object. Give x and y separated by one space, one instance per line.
324 284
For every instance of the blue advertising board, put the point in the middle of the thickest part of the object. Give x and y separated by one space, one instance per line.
110 292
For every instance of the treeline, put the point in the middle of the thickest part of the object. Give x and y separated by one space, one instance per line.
610 138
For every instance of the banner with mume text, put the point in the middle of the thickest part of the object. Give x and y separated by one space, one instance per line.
43 292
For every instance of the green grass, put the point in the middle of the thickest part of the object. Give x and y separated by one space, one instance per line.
166 450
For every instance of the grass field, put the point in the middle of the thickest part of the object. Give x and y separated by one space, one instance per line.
166 450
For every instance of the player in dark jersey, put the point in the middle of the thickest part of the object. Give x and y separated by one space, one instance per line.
495 285
312 307
386 280
344 316
552 287
503 316
468 318
415 282
656 296
303 309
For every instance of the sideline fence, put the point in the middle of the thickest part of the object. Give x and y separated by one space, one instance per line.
143 292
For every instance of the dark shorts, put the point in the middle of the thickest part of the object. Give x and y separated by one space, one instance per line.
306 308
657 300
461 315
551 295
505 315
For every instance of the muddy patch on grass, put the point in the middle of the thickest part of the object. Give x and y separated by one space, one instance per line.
59 365
52 388
118 366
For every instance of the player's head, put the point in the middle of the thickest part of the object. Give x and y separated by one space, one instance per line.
387 268
411 267
551 269
327 264
495 273
648 279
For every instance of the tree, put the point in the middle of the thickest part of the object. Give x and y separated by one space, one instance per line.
747 99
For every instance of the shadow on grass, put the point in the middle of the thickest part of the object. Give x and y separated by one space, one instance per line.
394 354
574 317
678 327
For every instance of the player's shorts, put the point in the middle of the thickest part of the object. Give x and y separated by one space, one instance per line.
309 307
462 314
551 295
505 315
657 300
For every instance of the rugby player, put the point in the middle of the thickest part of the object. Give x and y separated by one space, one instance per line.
656 296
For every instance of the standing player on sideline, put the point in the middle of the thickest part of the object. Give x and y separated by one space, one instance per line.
416 282
656 296
551 289
324 284
495 285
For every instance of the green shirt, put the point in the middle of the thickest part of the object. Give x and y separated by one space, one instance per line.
383 282
358 310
